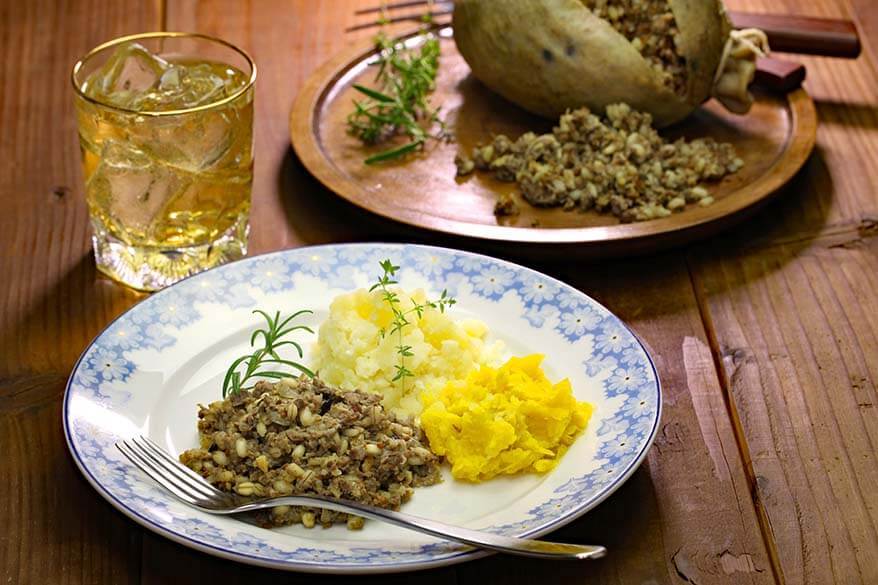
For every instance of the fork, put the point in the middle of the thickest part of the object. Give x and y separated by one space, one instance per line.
192 489
436 8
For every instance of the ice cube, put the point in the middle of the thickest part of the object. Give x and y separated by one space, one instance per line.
198 141
136 79
194 85
183 86
211 140
129 73
133 188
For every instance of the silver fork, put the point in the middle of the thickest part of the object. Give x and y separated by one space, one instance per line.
434 9
192 489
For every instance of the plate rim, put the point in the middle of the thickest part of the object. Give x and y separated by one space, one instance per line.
338 569
304 137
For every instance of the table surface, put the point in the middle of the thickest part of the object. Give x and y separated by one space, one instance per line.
766 338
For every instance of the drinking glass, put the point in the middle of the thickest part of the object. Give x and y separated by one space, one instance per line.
166 133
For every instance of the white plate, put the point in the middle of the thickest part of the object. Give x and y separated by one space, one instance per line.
146 373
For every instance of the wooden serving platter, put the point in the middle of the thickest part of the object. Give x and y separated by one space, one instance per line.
774 140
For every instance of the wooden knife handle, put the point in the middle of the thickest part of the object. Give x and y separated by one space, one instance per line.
803 34
778 75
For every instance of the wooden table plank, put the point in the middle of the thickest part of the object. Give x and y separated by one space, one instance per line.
797 331
791 317
823 198
661 528
56 529
865 14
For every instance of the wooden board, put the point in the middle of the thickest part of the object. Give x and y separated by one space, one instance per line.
774 140
796 328
670 524
55 528
790 308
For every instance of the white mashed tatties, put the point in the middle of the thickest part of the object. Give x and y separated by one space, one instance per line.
356 348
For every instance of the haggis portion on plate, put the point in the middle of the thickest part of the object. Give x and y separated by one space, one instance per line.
300 436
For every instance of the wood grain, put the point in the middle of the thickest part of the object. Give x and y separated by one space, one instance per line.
790 325
804 35
779 75
774 140
788 300
833 190
56 528
796 328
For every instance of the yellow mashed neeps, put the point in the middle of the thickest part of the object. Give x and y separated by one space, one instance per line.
352 353
503 421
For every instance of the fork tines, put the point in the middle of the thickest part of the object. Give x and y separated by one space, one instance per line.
398 5
166 471
437 8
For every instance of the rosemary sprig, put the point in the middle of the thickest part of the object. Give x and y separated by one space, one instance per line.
255 364
401 316
400 104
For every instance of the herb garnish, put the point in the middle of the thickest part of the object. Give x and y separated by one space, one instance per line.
400 104
401 316
267 355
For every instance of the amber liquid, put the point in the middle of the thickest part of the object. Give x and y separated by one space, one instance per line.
160 187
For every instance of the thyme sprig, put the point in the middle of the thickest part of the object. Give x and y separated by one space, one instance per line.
265 361
402 317
400 104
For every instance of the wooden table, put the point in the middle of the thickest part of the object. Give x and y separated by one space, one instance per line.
766 338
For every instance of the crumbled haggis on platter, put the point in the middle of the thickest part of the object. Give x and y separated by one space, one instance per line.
617 164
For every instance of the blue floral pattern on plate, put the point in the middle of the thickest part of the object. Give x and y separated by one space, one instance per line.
104 382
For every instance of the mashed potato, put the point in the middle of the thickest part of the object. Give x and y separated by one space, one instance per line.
351 352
